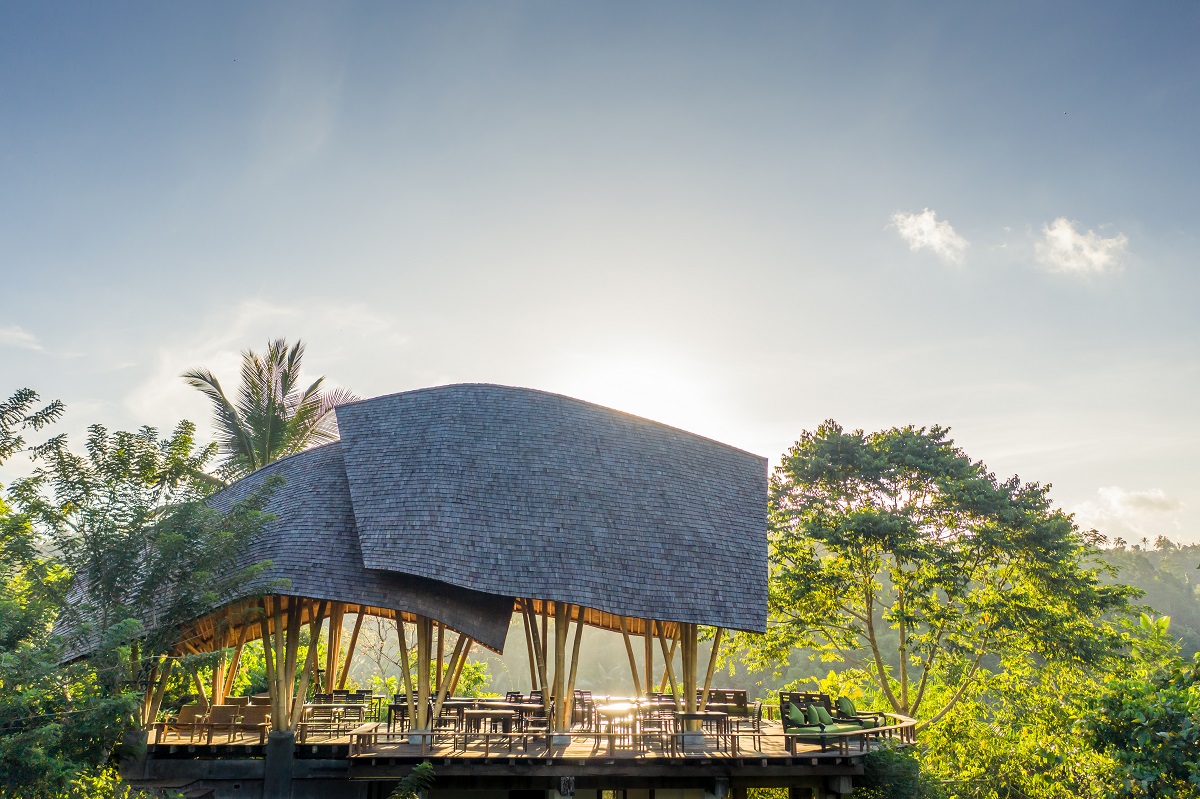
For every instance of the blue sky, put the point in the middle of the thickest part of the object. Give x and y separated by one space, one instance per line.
741 220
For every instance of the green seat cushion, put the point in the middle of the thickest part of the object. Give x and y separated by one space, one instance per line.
846 707
813 716
823 715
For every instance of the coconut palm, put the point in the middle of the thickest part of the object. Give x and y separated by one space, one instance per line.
273 416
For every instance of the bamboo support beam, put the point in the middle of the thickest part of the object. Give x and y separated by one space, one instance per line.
269 661
670 658
237 658
633 669
533 674
574 666
314 636
538 649
441 657
562 621
669 665
648 655
424 658
408 683
345 669
454 656
712 665
333 645
462 661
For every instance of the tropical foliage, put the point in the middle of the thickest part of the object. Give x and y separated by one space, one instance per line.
897 554
273 416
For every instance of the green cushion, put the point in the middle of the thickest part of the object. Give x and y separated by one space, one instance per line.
795 716
823 714
846 707
813 716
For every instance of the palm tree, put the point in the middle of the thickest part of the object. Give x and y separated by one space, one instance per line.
273 417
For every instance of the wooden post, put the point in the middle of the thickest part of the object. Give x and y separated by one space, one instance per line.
237 657
533 674
163 673
538 648
562 621
669 669
441 656
269 661
462 661
424 658
633 669
333 645
310 666
408 683
648 655
280 664
295 607
712 665
574 664
441 694
545 638
670 658
687 640
341 683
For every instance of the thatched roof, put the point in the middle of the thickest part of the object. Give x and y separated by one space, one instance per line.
519 492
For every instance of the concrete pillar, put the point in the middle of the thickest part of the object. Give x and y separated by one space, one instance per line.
277 764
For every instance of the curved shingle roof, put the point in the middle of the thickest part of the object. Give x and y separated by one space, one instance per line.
313 544
519 492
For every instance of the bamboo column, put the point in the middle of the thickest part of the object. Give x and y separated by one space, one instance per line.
669 665
562 620
441 657
712 665
648 655
633 669
669 657
314 636
687 642
574 664
533 673
408 682
539 653
424 662
333 645
345 670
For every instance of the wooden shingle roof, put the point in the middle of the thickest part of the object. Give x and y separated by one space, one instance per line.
314 545
518 492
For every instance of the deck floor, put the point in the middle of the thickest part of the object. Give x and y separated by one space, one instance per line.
583 746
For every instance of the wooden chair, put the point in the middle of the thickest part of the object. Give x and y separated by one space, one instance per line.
241 701
750 723
320 719
221 717
189 718
254 719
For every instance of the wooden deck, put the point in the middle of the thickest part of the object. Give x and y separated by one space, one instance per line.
373 742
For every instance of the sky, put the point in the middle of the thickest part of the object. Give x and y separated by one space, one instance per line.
739 219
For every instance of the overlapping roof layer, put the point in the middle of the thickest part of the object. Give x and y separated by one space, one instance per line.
518 492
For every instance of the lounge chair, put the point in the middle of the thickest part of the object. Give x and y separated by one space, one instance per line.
189 719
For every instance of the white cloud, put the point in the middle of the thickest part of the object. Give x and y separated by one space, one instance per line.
1129 514
924 231
18 337
1065 249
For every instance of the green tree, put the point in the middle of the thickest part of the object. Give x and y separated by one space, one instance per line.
896 553
1149 724
273 416
117 548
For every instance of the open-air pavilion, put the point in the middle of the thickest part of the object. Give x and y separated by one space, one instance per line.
451 509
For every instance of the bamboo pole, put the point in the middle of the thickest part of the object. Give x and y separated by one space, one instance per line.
408 683
293 650
345 670
237 657
541 662
280 656
441 694
424 656
669 665
441 657
314 636
574 662
633 669
562 621
333 645
545 637
533 675
204 704
458 671
670 658
648 654
687 633
712 665
270 661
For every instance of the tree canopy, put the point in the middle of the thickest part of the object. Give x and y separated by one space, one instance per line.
895 552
